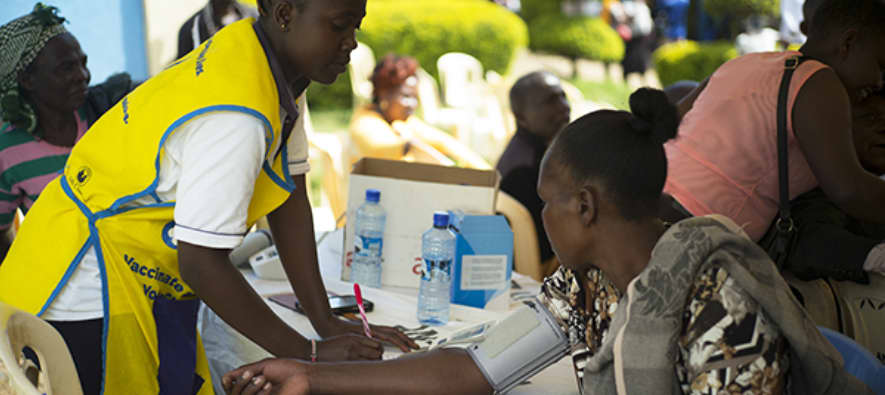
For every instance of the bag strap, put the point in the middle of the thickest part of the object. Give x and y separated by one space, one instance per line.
785 220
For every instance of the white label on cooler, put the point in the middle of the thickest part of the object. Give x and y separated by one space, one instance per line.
480 272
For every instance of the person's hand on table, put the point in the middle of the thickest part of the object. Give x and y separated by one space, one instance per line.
272 375
348 347
385 334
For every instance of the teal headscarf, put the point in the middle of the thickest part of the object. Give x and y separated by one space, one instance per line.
20 42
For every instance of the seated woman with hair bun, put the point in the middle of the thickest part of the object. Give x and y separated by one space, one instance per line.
388 128
696 308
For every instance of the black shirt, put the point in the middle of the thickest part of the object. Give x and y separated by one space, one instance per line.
520 165
830 243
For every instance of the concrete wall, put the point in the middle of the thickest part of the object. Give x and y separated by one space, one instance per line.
136 36
111 32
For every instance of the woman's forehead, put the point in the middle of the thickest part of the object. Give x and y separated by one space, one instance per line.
60 48
354 8
552 174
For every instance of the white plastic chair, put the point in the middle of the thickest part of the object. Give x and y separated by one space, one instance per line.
362 63
431 109
461 77
18 375
862 312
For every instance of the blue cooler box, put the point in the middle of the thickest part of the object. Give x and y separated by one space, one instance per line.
483 260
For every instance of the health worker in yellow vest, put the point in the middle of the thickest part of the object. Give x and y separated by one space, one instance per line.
119 250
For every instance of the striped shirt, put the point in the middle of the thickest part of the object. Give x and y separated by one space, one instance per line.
27 164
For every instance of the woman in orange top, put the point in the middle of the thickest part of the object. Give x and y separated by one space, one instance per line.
725 159
388 128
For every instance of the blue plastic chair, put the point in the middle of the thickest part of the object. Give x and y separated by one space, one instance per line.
858 361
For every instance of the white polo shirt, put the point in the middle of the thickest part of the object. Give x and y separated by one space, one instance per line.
209 169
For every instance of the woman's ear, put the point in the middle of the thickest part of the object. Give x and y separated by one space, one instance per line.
283 13
587 203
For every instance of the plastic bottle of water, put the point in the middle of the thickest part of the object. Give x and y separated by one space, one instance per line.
438 251
370 218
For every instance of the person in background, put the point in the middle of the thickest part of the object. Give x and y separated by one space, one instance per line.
632 21
152 200
208 20
46 105
388 129
791 18
676 18
606 11
830 243
725 160
697 308
757 36
541 111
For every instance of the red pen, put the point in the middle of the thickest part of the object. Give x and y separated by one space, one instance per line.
359 303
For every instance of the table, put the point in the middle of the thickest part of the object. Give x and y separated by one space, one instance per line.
228 349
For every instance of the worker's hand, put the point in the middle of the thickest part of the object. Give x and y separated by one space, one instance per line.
385 334
348 347
272 375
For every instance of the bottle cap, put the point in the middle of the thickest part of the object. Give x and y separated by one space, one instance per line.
373 195
440 219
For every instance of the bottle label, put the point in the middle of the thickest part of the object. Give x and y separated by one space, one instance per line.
367 246
434 270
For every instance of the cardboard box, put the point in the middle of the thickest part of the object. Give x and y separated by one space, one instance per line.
483 262
410 194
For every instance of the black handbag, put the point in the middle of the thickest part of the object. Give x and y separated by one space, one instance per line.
780 239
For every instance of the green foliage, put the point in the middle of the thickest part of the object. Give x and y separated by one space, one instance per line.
690 60
742 8
576 37
336 95
427 29
614 93
531 9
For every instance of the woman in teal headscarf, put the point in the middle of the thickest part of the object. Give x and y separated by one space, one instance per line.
45 106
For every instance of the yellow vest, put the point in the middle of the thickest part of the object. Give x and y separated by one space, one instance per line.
150 340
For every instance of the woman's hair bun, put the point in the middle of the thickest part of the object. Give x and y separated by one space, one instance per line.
653 114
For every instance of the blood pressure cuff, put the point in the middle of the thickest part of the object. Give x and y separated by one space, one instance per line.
523 344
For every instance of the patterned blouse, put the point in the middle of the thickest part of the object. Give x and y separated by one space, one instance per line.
726 346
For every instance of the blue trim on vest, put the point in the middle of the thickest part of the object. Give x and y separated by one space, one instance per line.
105 302
285 181
94 241
67 276
151 189
282 183
165 235
268 140
67 189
